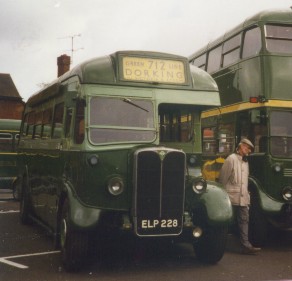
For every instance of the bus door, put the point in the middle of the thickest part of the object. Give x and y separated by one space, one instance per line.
252 124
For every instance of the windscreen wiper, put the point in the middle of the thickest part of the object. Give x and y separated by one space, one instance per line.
134 104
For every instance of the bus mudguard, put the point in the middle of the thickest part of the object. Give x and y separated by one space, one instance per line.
82 216
267 205
217 204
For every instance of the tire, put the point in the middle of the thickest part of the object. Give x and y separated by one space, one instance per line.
15 190
73 243
25 205
211 246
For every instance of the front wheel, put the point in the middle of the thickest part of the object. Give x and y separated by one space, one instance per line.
15 189
74 243
25 204
211 246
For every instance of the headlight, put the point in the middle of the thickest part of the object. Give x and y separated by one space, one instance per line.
192 160
115 186
287 193
199 185
93 160
277 167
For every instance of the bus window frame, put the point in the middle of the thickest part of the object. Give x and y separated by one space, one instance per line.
213 53
268 38
47 123
231 46
56 125
202 59
247 43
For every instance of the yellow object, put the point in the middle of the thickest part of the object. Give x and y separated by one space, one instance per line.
212 168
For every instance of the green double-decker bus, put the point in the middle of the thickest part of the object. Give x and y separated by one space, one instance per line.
251 65
113 146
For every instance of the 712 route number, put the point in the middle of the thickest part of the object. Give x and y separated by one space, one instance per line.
159 223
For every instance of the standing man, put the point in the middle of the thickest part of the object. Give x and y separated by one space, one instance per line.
234 177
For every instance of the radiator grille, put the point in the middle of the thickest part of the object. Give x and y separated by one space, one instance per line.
159 191
287 172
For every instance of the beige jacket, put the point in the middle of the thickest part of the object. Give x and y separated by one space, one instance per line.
234 177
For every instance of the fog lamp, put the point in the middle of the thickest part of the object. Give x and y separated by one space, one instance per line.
197 232
287 193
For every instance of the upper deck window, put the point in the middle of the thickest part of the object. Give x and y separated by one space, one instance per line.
200 61
121 120
214 59
252 43
231 50
279 38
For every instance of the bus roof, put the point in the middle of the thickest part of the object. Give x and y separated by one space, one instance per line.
267 16
10 125
108 70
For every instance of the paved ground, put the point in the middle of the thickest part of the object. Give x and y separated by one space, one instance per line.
27 254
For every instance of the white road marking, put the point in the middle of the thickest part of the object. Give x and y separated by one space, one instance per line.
18 265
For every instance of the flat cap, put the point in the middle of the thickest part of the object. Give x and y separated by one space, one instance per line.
248 142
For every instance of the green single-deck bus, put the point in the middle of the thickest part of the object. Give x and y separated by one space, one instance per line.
9 134
11 105
114 146
251 65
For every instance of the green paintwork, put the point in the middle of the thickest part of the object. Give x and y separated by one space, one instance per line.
59 168
265 73
8 156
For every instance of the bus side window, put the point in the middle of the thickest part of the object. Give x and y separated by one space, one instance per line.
214 59
37 131
200 61
79 123
24 128
210 145
252 42
226 138
231 50
58 121
31 122
260 138
68 122
47 123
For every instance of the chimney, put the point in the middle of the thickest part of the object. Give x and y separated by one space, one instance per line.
63 63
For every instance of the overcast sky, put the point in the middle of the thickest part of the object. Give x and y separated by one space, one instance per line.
35 32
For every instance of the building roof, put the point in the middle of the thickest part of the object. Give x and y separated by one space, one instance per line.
7 87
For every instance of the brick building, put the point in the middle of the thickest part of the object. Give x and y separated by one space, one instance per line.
11 103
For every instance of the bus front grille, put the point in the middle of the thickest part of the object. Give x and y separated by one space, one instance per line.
159 191
287 172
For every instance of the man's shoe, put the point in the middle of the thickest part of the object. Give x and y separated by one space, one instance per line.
250 250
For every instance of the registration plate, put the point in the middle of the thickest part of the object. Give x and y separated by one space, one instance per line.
167 226
168 223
